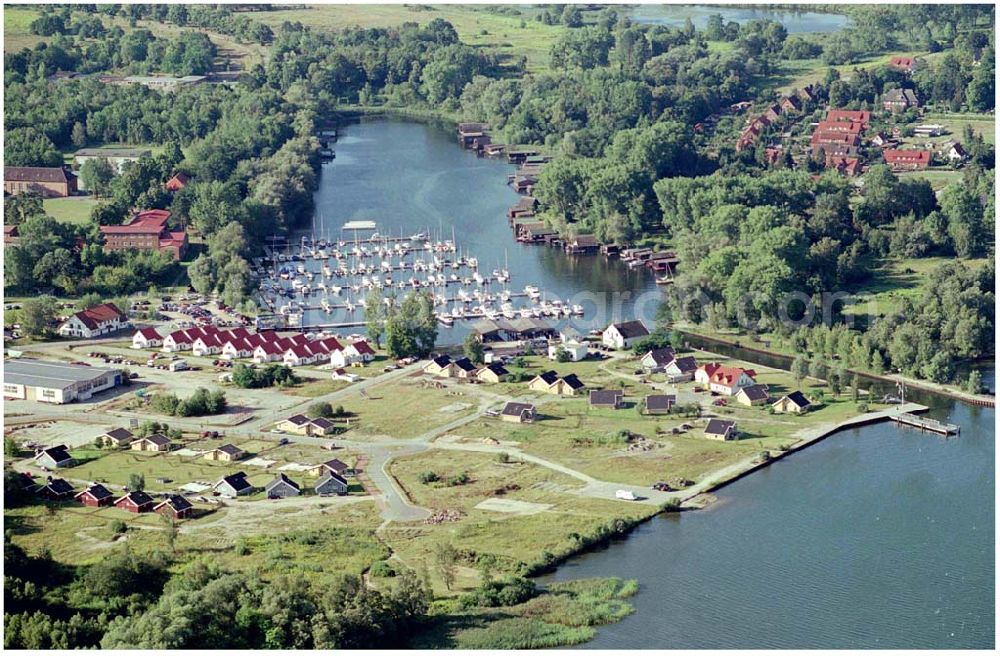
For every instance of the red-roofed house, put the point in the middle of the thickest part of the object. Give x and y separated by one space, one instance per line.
849 166
179 340
903 63
359 351
834 143
178 182
724 380
208 345
907 160
236 347
94 322
268 352
863 117
146 338
146 231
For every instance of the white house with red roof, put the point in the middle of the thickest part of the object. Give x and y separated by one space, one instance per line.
95 321
145 338
724 380
359 351
177 341
268 352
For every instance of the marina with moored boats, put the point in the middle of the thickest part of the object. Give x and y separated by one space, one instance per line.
322 282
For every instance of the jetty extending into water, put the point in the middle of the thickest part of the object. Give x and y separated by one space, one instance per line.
926 423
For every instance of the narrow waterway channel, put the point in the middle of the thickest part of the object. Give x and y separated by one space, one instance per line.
876 537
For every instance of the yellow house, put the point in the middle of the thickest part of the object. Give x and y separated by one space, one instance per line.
441 366
550 383
225 453
752 395
493 373
796 403
154 442
298 424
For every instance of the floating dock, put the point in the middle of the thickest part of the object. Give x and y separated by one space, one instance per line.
924 423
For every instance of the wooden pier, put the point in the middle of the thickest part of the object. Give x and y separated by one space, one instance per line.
924 423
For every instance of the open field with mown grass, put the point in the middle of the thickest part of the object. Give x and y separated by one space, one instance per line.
476 25
75 209
407 407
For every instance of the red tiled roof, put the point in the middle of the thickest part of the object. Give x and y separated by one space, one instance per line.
907 157
849 115
728 375
149 333
364 348
92 317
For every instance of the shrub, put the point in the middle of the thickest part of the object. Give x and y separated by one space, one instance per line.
118 527
382 569
503 457
241 548
459 479
427 477
507 591
320 409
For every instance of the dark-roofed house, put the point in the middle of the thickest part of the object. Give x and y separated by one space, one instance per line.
234 485
720 429
118 437
519 413
331 483
298 424
55 489
174 506
136 501
899 100
154 442
547 381
281 486
464 368
334 465
606 398
94 321
571 385
494 372
660 404
440 366
321 426
55 457
225 453
657 359
623 335
752 395
25 481
795 402
96 496
50 182
680 369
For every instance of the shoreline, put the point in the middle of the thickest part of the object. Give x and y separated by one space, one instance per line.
981 400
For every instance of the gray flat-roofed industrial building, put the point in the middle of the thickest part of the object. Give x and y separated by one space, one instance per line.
55 382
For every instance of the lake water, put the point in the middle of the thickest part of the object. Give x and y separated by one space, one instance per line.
875 537
412 177
878 537
796 22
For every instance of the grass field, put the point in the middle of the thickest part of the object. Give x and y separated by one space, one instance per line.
798 73
16 28
75 209
405 408
476 25
898 278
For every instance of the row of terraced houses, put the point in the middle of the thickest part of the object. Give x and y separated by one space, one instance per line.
262 347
